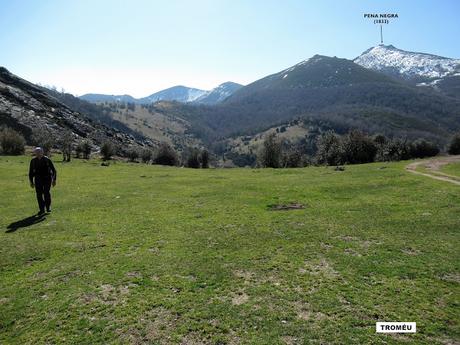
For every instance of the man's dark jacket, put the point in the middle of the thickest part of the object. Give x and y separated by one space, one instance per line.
42 168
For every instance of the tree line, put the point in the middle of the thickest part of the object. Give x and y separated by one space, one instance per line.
354 147
165 154
13 143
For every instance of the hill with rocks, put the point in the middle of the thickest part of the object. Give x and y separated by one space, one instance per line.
26 107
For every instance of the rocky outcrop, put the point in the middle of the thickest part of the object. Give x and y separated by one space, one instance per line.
25 107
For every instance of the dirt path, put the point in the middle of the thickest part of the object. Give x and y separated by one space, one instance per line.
433 167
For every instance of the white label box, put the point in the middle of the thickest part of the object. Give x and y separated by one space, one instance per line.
396 327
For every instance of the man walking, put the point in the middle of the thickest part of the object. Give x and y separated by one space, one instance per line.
42 175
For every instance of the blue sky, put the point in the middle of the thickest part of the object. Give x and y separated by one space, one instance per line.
139 47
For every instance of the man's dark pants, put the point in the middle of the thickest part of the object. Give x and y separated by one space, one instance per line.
42 188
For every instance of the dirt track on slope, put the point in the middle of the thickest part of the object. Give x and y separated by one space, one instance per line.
433 166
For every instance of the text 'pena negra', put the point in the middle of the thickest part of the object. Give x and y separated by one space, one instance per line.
381 18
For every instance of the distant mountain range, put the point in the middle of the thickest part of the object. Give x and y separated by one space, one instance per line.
420 69
384 90
339 92
178 93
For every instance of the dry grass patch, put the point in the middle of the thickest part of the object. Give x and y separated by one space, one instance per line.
240 298
194 339
304 312
352 252
289 340
410 251
107 294
319 267
134 275
246 275
156 326
451 277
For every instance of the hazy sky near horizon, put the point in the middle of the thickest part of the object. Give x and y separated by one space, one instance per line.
138 47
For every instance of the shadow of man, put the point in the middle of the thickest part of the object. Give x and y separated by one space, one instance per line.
23 223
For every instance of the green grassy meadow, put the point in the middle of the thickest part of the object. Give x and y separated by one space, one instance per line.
452 169
142 254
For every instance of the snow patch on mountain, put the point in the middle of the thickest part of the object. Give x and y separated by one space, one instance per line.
176 93
218 94
290 69
194 94
407 64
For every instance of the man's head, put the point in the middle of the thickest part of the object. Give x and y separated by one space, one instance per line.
38 152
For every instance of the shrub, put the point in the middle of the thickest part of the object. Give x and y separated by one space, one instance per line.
132 154
204 159
270 155
44 138
86 149
358 148
83 149
241 159
395 150
292 157
12 143
166 155
146 155
107 150
65 142
381 143
329 149
78 151
454 146
193 159
380 139
422 148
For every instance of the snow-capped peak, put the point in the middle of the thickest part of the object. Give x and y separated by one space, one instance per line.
409 65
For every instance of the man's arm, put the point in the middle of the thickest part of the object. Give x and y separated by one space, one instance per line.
53 171
31 172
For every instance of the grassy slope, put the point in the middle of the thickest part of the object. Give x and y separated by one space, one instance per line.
156 126
136 253
452 169
293 133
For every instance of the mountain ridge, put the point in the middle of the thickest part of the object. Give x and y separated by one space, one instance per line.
178 93
335 90
219 93
326 92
